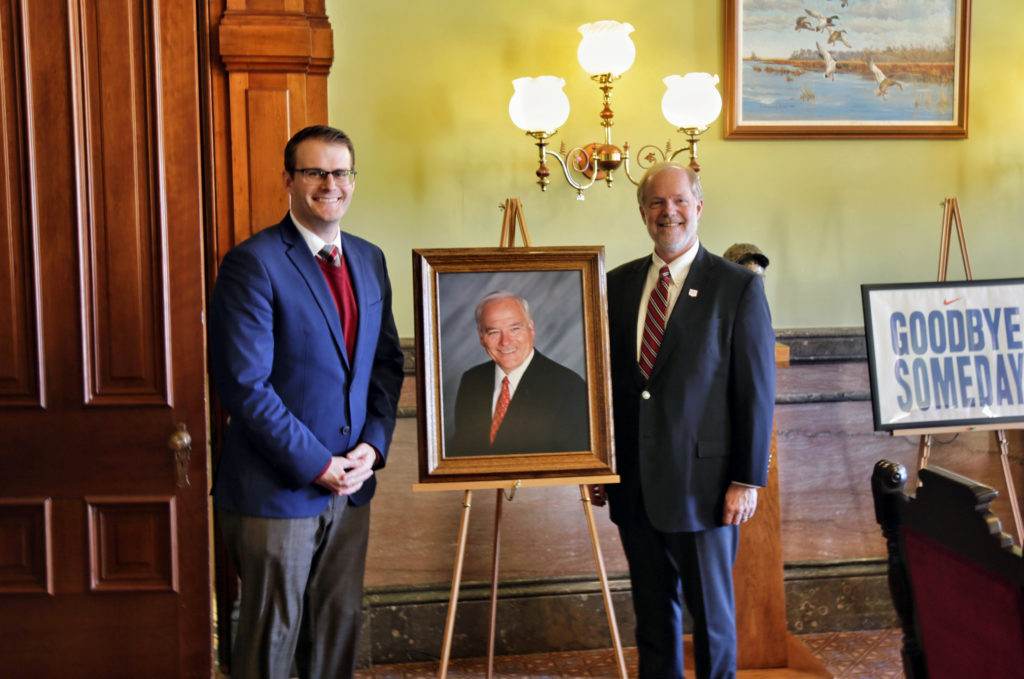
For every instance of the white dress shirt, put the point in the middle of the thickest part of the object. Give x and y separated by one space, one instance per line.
678 268
514 378
315 242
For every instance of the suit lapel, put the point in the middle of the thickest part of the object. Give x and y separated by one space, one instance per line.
364 289
517 419
305 262
530 382
678 329
634 303
478 419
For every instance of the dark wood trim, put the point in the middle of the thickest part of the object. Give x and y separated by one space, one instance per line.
808 345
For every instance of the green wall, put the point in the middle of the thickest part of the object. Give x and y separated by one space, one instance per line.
423 89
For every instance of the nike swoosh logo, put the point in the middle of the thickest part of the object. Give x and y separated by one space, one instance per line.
947 302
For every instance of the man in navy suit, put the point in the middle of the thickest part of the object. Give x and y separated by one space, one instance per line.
307 364
692 437
546 406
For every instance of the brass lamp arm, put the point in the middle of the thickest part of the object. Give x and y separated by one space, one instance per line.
649 154
625 164
543 172
580 188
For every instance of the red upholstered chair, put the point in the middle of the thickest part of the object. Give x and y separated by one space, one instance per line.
957 580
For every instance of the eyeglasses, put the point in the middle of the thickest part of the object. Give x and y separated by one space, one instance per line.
314 175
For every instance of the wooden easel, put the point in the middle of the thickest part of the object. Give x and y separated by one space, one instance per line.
951 213
513 216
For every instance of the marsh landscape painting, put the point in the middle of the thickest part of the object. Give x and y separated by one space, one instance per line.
838 67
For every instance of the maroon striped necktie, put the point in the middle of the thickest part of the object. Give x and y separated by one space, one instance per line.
654 322
329 253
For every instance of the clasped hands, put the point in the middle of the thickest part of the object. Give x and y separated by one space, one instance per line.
347 473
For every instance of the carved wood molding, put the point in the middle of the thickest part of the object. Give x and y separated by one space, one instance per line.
269 81
275 42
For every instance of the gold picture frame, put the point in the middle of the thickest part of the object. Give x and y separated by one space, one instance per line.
565 288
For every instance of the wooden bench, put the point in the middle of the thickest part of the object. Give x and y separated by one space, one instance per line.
957 580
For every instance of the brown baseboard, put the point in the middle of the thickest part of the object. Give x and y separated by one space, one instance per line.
405 624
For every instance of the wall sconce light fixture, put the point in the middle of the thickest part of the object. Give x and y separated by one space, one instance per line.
539 107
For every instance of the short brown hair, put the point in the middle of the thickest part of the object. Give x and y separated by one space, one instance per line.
324 133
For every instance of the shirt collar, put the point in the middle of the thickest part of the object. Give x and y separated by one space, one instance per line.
679 266
313 241
515 375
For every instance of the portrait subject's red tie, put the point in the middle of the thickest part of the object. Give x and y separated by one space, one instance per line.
499 410
654 322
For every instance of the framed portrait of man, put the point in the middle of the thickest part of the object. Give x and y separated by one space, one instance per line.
511 358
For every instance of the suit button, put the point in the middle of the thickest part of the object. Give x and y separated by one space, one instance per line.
645 395
345 430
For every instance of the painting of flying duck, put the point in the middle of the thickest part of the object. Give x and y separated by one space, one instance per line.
846 68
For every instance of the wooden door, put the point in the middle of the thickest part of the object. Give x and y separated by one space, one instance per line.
104 529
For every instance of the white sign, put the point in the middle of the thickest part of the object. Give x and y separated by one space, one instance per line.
946 354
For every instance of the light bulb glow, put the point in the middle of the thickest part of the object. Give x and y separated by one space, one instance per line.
539 104
606 48
691 101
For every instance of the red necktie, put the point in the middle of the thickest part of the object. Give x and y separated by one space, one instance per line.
499 410
336 274
654 322
329 253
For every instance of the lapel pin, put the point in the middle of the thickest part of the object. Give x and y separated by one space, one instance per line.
691 292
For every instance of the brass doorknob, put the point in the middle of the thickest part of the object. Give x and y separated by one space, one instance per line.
181 443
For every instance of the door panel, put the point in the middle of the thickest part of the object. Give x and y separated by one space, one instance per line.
121 249
104 527
20 367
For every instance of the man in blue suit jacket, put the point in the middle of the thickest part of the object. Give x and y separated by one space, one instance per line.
307 364
692 439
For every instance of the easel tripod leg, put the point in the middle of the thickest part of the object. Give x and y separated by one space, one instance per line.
453 600
613 626
924 451
494 584
1011 491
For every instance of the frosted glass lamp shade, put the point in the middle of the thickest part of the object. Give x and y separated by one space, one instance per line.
539 104
606 48
691 101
